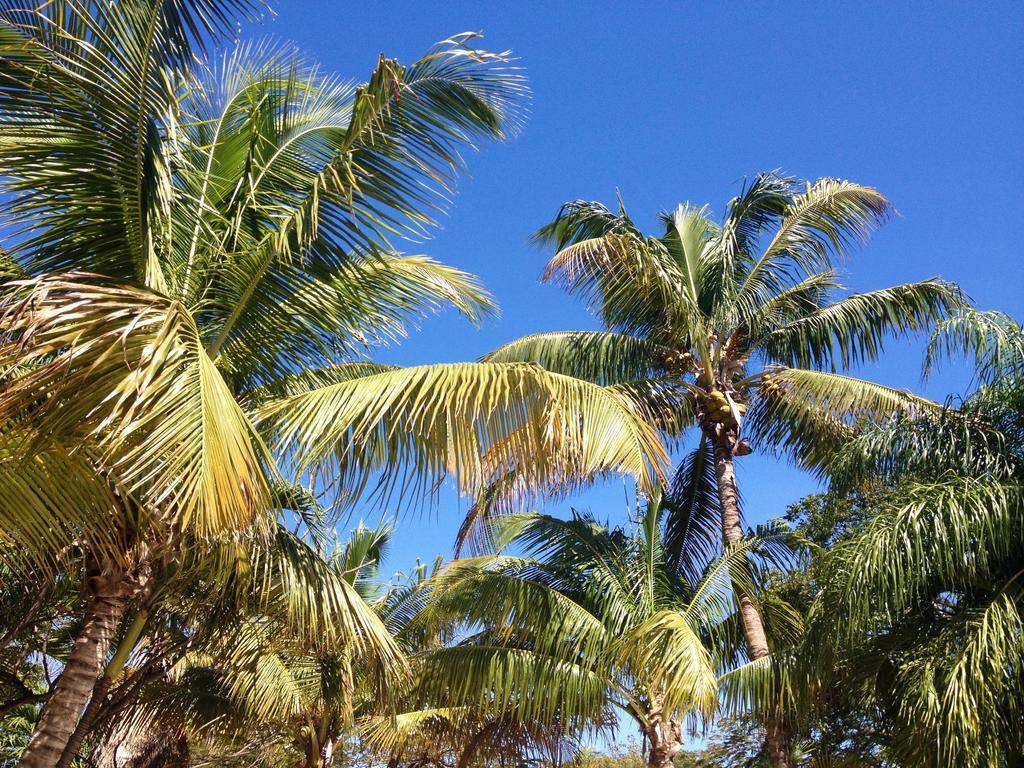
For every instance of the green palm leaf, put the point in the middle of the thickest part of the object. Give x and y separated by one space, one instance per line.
815 413
852 330
818 223
995 341
692 513
40 519
601 357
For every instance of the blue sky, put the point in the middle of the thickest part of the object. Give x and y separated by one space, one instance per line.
671 102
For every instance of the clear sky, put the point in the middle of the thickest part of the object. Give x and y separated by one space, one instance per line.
680 101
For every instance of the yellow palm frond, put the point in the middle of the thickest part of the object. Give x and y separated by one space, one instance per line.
320 607
392 733
121 372
48 501
472 421
850 398
811 414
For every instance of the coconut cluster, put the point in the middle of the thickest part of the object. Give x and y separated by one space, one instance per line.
769 387
679 363
720 410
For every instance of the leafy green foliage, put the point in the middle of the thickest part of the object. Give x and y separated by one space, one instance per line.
921 600
586 622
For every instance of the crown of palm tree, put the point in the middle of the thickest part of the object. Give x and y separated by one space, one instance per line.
275 190
737 328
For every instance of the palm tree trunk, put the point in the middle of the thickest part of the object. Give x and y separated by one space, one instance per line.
98 702
85 724
105 603
663 734
777 736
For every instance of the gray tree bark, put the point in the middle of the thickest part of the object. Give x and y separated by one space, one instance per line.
777 731
105 604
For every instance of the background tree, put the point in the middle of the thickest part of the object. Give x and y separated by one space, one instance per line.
885 665
588 620
924 604
834 718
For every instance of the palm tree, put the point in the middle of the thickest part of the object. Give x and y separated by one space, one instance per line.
426 731
588 621
924 607
205 259
255 685
738 328
294 661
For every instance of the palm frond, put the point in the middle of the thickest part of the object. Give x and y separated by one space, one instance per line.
752 687
319 604
967 704
947 531
602 357
995 341
928 446
497 680
851 331
517 597
50 501
310 379
762 314
933 582
123 371
583 220
298 316
474 534
83 157
689 239
818 225
692 513
630 280
392 734
759 206
593 562
814 413
666 403
470 421
667 651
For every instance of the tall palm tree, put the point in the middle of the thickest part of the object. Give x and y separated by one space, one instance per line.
744 325
586 622
205 258
925 605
